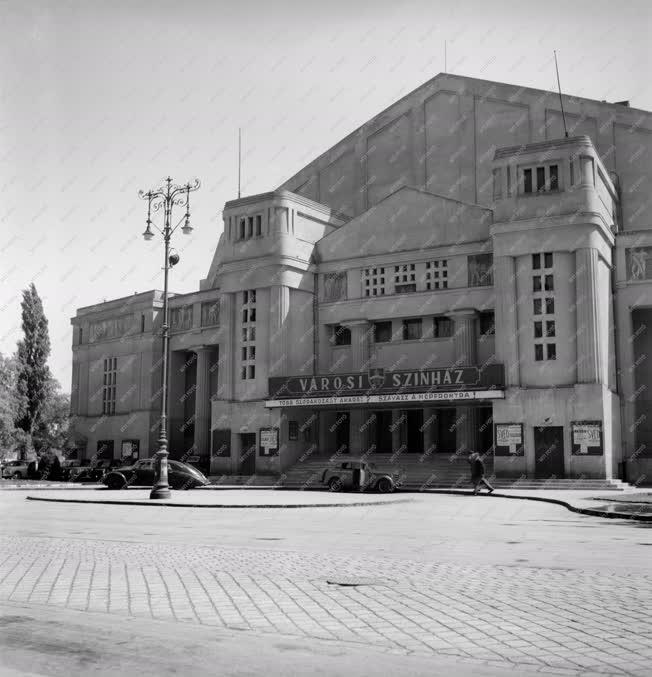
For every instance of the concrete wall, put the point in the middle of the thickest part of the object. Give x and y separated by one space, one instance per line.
441 137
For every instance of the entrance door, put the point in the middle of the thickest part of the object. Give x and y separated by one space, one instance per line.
247 453
485 429
342 432
414 425
549 452
383 426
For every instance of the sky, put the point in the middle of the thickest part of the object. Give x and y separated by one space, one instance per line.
101 99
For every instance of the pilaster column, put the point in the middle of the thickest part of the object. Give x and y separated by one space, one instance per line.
202 402
278 330
359 343
506 318
587 302
397 433
429 430
466 354
227 347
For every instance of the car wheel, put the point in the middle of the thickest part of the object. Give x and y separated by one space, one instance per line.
385 485
116 482
18 476
334 484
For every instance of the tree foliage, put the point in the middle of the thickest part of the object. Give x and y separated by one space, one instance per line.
33 374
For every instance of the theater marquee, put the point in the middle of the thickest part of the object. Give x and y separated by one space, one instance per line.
378 386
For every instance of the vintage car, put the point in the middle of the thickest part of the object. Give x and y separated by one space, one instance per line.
141 474
15 469
95 471
358 475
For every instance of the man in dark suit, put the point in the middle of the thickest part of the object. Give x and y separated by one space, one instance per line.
477 473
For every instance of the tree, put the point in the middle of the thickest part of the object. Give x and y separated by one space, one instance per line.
10 405
53 431
33 374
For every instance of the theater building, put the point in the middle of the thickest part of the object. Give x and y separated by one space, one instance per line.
456 275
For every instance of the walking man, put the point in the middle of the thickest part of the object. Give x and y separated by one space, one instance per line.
477 473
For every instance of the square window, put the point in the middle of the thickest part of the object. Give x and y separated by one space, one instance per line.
411 330
536 261
550 328
382 332
252 371
547 260
552 351
527 181
341 336
538 352
536 283
550 306
549 285
538 329
537 306
442 327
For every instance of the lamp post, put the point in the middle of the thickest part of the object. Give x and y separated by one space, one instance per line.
165 198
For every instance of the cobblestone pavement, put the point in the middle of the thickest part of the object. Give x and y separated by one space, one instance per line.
558 620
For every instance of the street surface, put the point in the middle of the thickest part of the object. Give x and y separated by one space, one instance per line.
436 585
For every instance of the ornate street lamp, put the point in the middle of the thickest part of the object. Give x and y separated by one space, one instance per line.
165 198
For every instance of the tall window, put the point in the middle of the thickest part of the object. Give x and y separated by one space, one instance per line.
442 327
437 274
109 385
382 332
250 226
373 281
248 353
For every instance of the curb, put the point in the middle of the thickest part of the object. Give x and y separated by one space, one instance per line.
593 512
155 504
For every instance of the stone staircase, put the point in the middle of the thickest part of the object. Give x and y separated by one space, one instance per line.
440 471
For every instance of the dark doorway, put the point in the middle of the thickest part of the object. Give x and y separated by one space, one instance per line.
485 429
342 432
414 426
383 425
445 441
247 454
549 452
104 450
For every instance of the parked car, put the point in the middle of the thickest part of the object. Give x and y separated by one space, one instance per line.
15 469
70 468
359 475
141 473
95 471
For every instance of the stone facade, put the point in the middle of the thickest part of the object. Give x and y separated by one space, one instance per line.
486 277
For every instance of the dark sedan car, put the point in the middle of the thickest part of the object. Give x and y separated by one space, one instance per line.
141 474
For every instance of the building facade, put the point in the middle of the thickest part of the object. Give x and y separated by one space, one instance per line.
456 275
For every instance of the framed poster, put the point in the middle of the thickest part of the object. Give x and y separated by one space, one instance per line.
509 439
586 438
293 431
129 449
268 441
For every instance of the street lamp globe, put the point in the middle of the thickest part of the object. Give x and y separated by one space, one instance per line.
148 235
186 229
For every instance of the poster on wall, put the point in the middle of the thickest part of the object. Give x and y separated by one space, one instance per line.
509 439
586 438
268 441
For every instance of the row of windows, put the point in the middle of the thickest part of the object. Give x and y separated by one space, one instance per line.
544 329
248 350
541 179
250 226
411 329
109 386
